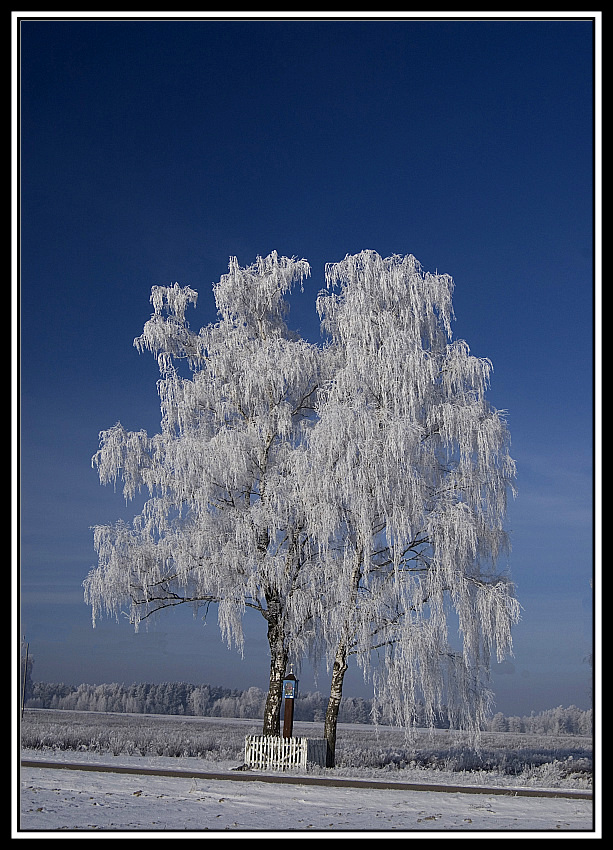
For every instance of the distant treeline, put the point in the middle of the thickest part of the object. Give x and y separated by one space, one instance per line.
210 701
183 698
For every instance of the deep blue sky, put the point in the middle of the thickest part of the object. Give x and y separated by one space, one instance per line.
153 150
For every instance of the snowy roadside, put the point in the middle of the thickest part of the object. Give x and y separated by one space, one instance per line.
482 778
67 800
53 800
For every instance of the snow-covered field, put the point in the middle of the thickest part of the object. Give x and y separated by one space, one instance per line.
54 800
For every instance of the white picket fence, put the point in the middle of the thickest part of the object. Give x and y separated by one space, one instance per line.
267 752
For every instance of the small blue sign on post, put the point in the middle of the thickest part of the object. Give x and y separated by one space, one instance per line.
290 686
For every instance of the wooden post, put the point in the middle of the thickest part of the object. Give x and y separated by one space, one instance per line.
290 688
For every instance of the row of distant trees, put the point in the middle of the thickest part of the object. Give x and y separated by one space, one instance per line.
182 698
210 701
553 721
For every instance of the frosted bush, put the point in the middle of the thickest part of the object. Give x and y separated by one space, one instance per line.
364 752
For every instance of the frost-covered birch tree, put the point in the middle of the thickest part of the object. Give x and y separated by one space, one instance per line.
409 470
223 521
353 493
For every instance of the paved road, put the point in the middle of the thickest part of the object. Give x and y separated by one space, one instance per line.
280 778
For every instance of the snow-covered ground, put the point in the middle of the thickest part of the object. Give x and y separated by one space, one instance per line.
69 800
59 800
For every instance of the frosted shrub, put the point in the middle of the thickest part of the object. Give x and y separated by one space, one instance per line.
126 736
528 761
115 743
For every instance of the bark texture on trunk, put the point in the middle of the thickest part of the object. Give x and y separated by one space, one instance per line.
278 663
340 668
336 694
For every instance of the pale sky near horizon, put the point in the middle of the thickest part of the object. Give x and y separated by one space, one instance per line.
152 150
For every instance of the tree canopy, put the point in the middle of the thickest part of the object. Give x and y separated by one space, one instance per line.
353 492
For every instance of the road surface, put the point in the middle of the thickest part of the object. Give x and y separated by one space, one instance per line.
280 778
